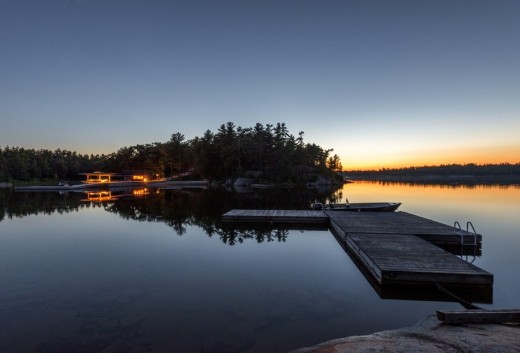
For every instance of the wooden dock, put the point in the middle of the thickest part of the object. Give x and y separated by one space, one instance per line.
403 223
479 317
277 217
403 257
393 247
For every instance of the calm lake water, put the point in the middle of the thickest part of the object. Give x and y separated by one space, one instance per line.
154 271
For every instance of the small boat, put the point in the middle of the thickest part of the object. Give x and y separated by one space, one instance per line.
317 206
363 206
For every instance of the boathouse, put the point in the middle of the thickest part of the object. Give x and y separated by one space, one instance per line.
125 176
98 177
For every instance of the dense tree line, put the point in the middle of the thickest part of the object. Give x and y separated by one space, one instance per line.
503 170
17 163
267 152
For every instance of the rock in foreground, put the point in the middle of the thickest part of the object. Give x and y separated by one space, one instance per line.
428 336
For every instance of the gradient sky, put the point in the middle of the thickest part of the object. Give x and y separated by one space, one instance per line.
384 83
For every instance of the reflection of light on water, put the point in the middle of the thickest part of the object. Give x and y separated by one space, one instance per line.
140 192
99 195
366 191
112 255
444 203
109 195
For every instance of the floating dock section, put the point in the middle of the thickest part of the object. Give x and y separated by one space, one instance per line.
402 223
393 247
286 218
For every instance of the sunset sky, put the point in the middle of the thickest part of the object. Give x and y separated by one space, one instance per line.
384 83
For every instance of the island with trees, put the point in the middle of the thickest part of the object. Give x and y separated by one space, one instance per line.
264 153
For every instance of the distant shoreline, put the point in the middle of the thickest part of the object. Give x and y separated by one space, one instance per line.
442 179
500 174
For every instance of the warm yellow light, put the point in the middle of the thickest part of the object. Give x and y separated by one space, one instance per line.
99 196
140 192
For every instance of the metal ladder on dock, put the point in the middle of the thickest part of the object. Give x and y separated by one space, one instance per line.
458 230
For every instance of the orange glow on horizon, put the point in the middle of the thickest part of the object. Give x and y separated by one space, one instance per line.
479 156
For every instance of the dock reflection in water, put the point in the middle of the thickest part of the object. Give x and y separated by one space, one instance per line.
423 291
396 251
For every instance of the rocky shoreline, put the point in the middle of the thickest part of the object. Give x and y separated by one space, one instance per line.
429 336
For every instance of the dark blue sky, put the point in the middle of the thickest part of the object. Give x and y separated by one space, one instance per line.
381 82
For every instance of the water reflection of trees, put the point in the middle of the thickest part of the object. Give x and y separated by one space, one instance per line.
23 204
178 209
231 236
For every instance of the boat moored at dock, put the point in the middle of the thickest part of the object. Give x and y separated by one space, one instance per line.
363 206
